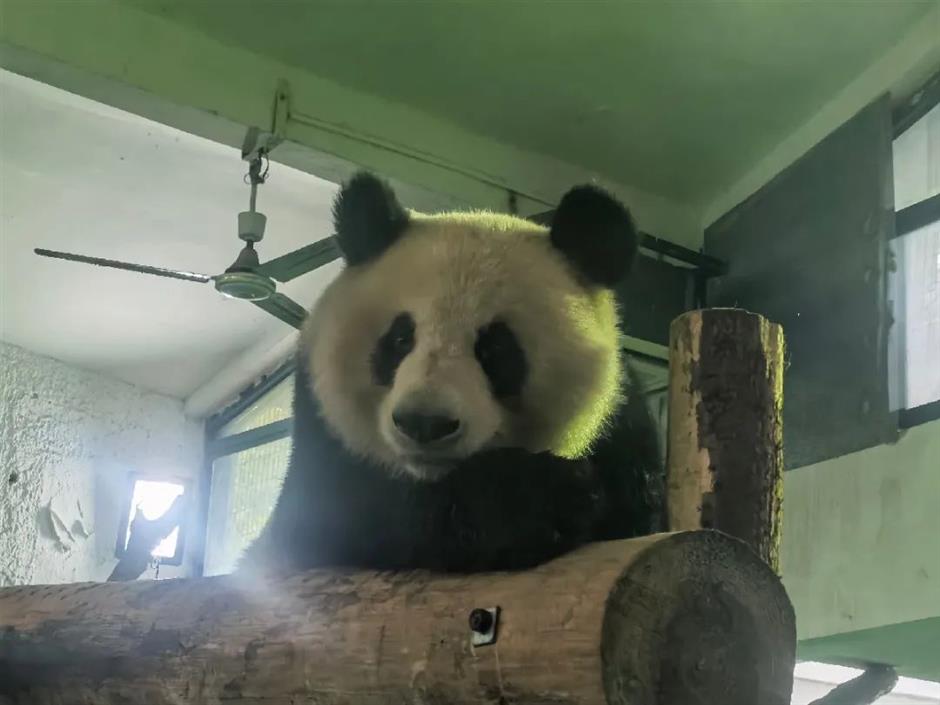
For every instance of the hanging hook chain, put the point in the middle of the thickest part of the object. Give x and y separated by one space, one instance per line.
256 176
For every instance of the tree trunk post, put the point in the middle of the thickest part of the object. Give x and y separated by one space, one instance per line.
725 451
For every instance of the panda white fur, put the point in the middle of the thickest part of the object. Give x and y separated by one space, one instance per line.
462 402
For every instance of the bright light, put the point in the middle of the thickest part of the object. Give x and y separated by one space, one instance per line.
152 498
829 673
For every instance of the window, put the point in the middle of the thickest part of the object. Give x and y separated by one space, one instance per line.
273 405
245 487
917 161
915 287
154 499
248 452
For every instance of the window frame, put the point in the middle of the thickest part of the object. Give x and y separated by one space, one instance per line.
920 102
916 216
217 446
120 549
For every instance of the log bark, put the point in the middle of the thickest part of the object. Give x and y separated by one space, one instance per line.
691 618
725 458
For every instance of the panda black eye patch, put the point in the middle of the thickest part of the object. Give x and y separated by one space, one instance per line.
393 347
502 359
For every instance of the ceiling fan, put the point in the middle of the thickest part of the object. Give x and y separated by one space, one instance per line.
246 278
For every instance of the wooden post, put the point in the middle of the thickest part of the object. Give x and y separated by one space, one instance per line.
672 619
725 458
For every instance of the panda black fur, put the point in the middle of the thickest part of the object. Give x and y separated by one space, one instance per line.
461 401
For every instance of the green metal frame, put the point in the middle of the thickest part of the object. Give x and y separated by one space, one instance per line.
248 397
919 104
274 431
217 447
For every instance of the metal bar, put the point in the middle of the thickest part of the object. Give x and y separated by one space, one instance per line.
645 348
908 418
917 216
709 266
247 398
646 357
920 103
490 181
274 431
199 540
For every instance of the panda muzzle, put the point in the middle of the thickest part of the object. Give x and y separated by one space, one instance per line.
427 428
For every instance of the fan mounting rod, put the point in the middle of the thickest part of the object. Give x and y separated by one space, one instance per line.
251 223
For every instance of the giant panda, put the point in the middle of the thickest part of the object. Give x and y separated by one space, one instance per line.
462 400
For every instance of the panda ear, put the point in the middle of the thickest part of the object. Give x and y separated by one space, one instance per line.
367 218
596 233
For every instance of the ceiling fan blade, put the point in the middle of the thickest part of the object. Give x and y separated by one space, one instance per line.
306 259
141 268
285 308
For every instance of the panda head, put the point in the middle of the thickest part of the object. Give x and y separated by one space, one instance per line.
449 334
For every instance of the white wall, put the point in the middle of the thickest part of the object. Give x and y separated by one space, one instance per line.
68 438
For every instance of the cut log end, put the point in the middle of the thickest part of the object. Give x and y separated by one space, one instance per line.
722 630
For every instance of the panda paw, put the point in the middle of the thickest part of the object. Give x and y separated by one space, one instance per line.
519 509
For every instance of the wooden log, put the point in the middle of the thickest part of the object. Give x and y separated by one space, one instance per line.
725 458
691 618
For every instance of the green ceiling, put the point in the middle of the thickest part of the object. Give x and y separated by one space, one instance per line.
678 98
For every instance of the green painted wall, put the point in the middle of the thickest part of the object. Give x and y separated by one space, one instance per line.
861 547
913 648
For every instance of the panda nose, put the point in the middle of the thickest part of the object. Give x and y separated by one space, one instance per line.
426 428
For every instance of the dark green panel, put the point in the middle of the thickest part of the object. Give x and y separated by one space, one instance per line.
913 648
653 294
809 251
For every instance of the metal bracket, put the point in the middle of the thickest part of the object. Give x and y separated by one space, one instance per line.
258 141
483 625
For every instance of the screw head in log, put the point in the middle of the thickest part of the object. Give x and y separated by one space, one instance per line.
483 625
480 620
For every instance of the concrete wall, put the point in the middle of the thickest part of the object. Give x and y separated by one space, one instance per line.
861 537
68 438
